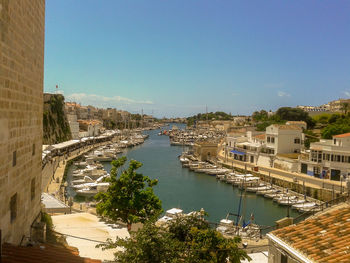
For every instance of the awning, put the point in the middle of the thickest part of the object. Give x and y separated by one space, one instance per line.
238 152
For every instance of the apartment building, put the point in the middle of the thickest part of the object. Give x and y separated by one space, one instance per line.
22 27
329 159
281 139
267 148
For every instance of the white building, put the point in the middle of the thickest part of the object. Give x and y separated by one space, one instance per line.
329 159
263 148
282 139
74 125
89 128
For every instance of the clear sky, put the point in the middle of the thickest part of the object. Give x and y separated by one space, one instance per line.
174 57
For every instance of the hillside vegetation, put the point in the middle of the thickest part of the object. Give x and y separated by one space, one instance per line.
219 115
55 124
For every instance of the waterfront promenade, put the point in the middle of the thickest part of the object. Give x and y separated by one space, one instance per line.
291 177
53 171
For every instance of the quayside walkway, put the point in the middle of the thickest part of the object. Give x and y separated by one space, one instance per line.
292 177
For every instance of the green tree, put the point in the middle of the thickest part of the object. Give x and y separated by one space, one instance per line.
130 197
295 114
345 107
260 115
334 129
186 239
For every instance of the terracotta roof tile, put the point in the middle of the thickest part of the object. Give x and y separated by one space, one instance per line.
260 136
44 253
324 237
344 135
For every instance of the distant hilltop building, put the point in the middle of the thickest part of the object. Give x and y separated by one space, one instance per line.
322 108
21 117
330 107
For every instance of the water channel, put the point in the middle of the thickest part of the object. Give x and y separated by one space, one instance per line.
179 187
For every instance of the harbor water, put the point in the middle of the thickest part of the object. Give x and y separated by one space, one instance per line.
181 188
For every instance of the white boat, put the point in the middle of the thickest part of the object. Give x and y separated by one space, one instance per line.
291 202
260 187
285 197
184 160
86 179
92 189
267 191
217 171
170 214
273 194
226 226
304 206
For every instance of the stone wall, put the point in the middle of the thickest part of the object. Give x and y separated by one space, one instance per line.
22 25
55 123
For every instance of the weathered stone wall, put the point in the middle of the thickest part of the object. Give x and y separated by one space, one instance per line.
55 123
22 25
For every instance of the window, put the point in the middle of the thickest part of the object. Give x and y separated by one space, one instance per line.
14 158
13 207
33 149
297 141
268 139
284 258
272 140
32 189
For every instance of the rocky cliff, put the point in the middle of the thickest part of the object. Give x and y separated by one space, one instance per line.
55 124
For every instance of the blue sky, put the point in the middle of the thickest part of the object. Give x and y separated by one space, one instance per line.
175 57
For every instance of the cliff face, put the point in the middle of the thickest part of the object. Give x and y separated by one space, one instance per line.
55 124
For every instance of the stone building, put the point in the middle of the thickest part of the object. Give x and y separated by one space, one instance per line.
205 151
22 25
73 125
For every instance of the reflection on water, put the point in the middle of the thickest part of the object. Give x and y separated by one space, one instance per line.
182 188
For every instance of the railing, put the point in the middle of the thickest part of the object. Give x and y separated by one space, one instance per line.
320 208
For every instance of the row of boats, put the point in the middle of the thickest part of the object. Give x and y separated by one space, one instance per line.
248 229
88 178
188 137
252 184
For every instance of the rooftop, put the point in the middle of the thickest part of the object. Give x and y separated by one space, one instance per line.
344 135
325 236
296 122
53 205
44 253
260 136
289 127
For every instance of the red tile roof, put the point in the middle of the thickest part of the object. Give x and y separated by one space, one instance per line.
342 135
260 136
323 238
44 253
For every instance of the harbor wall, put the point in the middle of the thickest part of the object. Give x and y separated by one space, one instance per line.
314 192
